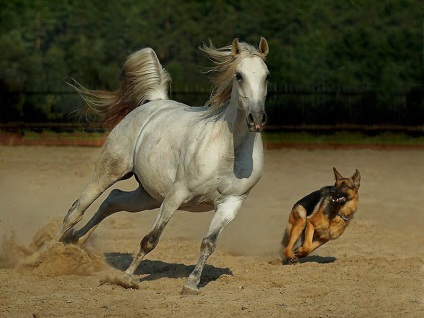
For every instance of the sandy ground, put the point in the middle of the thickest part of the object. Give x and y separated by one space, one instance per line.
376 268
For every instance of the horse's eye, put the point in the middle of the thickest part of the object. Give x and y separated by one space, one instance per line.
238 76
267 77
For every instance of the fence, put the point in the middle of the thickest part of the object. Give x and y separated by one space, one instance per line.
288 107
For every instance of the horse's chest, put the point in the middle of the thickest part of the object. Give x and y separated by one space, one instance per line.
224 172
240 177
220 185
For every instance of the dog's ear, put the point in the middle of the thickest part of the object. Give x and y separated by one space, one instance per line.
356 178
337 174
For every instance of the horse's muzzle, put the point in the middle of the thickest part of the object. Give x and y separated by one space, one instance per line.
256 121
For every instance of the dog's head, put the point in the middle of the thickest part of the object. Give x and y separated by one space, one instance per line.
347 188
336 196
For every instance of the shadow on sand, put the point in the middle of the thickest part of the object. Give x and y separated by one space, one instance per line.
158 269
317 259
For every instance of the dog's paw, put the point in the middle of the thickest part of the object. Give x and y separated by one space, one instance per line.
300 252
292 260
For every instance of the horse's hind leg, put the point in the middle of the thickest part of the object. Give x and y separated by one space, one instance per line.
225 212
170 204
110 168
133 201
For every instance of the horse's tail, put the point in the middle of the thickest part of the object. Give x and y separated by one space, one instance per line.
143 79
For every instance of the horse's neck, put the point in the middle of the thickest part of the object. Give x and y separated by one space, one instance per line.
243 139
247 149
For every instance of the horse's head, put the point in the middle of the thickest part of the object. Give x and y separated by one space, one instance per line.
250 84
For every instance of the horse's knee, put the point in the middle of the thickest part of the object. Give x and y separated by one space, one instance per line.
207 246
148 243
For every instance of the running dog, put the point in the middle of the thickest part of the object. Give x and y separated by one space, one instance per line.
320 217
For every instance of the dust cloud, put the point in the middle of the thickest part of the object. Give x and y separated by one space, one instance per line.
44 257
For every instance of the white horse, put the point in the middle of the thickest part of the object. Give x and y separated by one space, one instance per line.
188 158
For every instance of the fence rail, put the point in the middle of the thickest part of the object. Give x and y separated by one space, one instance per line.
21 127
287 106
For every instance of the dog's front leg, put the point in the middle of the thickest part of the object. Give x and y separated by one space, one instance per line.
307 244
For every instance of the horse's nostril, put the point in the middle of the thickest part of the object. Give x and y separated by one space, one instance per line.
250 119
264 118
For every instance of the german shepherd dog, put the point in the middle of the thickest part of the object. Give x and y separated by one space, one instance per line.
320 217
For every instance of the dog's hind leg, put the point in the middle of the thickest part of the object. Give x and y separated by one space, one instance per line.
309 244
284 243
297 223
309 235
308 248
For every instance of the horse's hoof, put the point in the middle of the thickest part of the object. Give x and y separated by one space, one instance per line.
190 289
69 238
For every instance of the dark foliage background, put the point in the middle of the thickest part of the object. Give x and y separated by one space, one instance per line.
332 62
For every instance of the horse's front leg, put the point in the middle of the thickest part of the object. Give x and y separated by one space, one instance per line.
225 213
170 204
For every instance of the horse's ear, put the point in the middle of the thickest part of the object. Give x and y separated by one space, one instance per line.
263 46
235 47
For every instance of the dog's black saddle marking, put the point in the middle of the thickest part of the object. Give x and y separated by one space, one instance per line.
310 201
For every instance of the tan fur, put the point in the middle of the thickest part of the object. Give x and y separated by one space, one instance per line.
304 234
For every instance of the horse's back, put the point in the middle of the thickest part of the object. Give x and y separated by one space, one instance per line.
153 137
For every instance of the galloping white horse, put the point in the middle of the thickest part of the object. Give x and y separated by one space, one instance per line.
189 158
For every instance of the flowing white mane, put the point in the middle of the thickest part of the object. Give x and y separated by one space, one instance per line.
223 71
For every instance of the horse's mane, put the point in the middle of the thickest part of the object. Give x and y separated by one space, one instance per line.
222 74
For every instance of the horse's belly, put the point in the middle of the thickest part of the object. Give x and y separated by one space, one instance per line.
198 207
156 180
156 155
